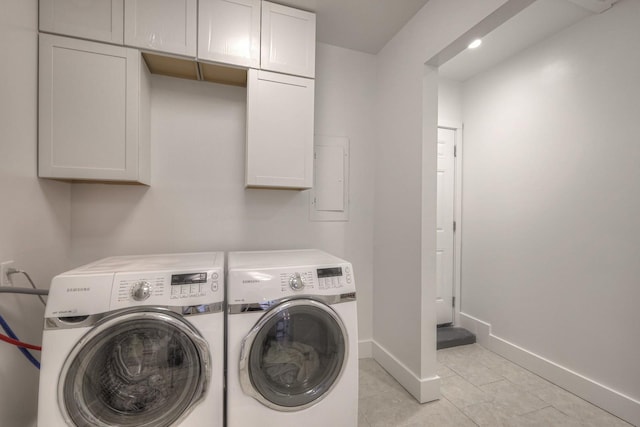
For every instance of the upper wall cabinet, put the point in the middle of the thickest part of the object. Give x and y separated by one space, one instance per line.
100 20
229 32
161 25
288 42
93 111
279 130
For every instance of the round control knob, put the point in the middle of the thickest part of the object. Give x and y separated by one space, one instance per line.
296 282
140 291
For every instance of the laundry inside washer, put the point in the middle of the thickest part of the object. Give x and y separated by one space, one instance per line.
299 360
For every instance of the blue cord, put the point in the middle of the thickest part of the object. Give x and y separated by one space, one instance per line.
24 351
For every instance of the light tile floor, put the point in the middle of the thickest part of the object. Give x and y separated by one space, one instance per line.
479 388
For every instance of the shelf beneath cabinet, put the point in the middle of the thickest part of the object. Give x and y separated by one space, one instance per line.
192 70
171 66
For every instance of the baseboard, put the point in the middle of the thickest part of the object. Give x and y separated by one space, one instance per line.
424 390
600 395
365 349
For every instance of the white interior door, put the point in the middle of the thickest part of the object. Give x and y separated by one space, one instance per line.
445 225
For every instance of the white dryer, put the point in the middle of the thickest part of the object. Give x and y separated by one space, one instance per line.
135 341
292 340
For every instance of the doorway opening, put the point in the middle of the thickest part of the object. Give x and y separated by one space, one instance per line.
446 225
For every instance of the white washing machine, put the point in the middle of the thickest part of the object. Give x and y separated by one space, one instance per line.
292 340
135 341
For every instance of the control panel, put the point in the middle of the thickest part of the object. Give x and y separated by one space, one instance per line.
193 285
268 284
296 281
333 277
318 278
262 277
165 288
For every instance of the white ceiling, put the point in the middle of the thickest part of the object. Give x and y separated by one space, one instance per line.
540 20
367 25
363 25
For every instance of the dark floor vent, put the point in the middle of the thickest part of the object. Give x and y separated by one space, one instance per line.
451 336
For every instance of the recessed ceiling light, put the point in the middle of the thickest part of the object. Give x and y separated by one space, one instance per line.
474 44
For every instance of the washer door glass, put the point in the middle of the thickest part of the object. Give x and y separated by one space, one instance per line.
136 369
297 353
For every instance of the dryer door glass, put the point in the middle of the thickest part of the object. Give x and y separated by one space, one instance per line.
297 353
135 369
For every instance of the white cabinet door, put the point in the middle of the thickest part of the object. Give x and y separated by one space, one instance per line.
100 20
161 25
279 130
93 111
229 32
288 40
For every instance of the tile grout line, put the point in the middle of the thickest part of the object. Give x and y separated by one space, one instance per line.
536 410
461 411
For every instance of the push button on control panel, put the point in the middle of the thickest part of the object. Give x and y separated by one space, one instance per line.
175 292
214 282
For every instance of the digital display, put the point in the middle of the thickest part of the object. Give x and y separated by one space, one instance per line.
188 278
329 272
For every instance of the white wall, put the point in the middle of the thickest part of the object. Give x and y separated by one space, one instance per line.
552 199
405 192
34 214
197 200
449 103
